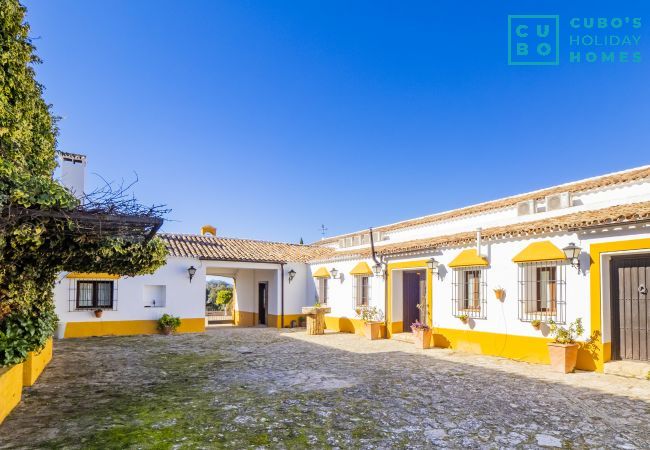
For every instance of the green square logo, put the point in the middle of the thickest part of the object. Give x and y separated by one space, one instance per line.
533 40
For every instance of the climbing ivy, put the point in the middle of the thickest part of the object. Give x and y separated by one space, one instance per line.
34 249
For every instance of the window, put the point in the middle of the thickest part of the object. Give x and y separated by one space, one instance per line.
469 296
542 291
361 290
322 290
94 294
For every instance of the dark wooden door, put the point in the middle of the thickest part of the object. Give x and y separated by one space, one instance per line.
410 298
630 279
262 301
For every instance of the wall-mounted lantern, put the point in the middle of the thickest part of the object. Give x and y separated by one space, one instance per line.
572 252
432 264
377 269
292 274
334 273
191 271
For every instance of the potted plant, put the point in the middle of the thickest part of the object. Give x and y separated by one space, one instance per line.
563 351
99 313
536 324
500 293
373 321
422 334
464 318
168 323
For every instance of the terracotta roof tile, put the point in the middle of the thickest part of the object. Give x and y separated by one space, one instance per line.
579 186
230 249
615 215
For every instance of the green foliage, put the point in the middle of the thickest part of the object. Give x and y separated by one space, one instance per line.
169 321
35 249
536 323
224 297
25 332
566 335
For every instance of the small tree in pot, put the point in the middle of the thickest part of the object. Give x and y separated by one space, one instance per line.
372 318
563 351
168 323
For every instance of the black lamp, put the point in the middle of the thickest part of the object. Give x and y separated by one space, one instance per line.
191 271
334 273
432 264
572 252
292 273
377 269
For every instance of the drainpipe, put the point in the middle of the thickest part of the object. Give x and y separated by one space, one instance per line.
282 295
381 263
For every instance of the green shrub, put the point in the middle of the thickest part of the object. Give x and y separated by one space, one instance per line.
21 333
169 321
566 335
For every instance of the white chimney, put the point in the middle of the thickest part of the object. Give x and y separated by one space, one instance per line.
73 172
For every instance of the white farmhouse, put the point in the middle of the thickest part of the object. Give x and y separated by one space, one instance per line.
578 250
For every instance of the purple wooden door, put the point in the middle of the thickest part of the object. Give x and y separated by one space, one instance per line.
410 298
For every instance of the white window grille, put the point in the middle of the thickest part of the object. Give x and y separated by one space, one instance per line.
361 290
542 291
322 290
469 296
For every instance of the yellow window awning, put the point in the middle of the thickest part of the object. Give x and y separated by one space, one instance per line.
468 258
539 251
321 273
361 269
92 276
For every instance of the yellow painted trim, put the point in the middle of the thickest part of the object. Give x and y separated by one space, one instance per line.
322 273
539 251
128 327
11 389
36 363
362 269
274 320
345 325
468 258
604 351
92 276
522 348
208 229
397 327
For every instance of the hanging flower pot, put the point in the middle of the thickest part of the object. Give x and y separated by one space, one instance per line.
500 294
537 324
464 318
99 313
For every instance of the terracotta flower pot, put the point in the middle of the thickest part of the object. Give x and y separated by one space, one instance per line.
373 330
563 357
464 319
537 326
500 294
167 330
423 338
99 313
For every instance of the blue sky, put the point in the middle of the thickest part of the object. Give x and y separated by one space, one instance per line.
267 119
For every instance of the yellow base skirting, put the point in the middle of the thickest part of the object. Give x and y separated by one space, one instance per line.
35 364
11 389
126 327
521 348
345 325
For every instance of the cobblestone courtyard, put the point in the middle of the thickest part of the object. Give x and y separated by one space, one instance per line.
260 388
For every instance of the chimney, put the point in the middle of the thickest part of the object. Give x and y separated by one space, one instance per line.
73 172
208 229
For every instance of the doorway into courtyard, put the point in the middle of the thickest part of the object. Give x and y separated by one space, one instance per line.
219 294
630 307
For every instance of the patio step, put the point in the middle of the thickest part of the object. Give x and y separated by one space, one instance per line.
630 369
403 337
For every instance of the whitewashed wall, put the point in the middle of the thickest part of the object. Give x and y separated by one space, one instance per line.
340 290
182 298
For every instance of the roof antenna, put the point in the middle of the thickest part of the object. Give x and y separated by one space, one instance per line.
323 229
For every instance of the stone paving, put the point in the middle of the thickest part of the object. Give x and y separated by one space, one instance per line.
264 388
